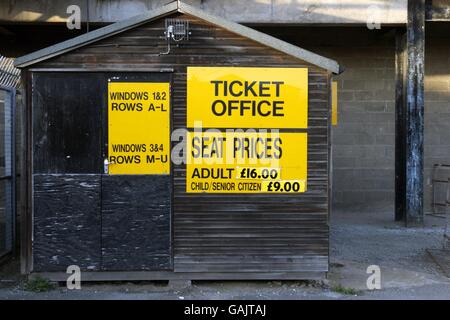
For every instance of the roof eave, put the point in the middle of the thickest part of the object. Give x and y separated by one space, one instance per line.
94 36
263 38
173 7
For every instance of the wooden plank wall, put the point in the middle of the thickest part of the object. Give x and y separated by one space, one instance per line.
136 222
230 233
67 222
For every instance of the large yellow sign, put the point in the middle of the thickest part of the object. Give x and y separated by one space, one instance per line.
229 97
138 128
246 162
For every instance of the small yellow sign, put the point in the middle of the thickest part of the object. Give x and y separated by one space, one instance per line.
246 162
334 103
237 97
138 128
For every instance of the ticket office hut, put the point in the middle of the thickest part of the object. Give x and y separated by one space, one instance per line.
159 219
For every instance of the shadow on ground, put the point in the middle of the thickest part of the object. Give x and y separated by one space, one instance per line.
357 241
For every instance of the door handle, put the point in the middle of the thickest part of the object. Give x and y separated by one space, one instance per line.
106 165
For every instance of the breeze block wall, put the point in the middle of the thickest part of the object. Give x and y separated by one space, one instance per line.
363 142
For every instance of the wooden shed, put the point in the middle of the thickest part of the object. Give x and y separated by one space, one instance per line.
112 118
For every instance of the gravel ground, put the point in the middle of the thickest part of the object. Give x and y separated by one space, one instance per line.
357 241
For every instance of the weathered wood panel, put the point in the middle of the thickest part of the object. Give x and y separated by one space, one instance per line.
169 275
257 233
67 123
67 222
230 233
136 222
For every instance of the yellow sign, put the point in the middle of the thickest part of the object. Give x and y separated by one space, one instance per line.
138 128
246 162
229 97
334 103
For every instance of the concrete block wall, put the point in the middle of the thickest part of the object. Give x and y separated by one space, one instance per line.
437 105
363 155
364 140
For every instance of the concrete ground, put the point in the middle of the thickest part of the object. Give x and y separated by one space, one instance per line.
357 241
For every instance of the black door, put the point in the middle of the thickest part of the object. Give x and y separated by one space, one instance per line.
82 215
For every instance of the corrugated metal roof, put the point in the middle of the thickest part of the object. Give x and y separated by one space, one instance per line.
177 6
9 76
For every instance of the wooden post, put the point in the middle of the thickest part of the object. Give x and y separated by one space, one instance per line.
415 45
409 116
400 124
25 177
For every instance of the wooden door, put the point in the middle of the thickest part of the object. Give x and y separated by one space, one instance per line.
136 185
118 220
